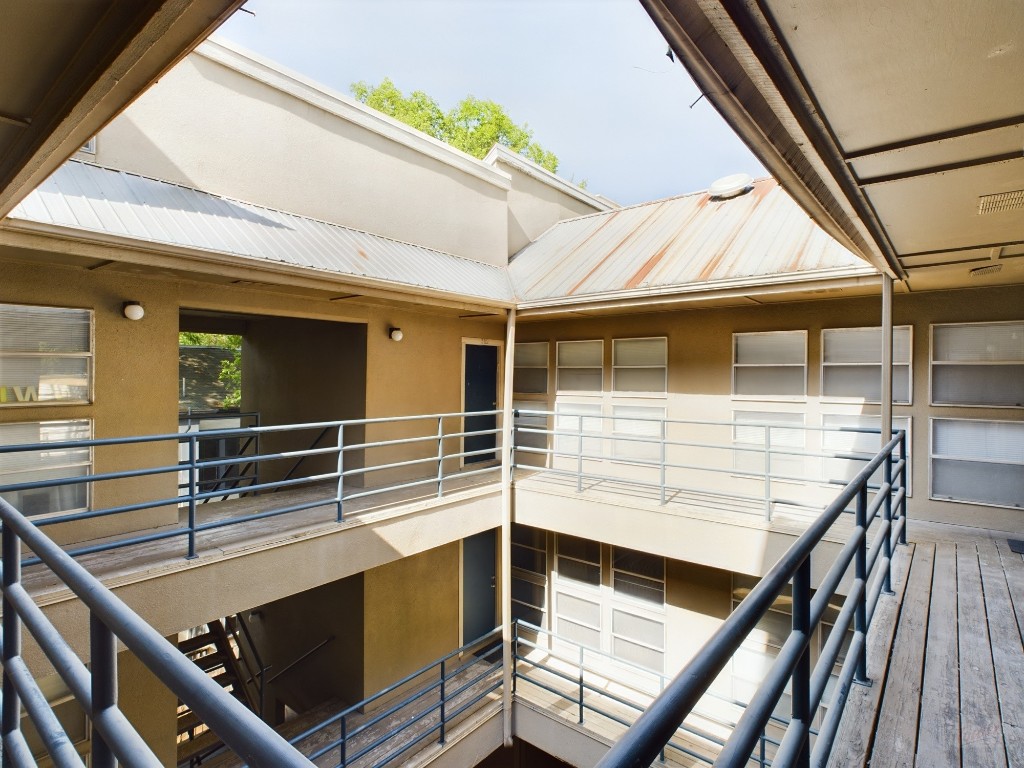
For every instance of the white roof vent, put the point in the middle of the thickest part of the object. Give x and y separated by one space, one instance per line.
731 186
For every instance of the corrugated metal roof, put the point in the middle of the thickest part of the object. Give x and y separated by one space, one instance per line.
88 197
681 241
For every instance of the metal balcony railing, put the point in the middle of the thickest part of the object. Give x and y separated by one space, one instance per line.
114 739
765 464
408 452
642 743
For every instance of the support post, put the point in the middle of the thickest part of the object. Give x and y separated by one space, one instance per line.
768 473
802 673
887 524
903 484
341 472
507 647
581 684
193 458
11 707
103 663
343 747
886 359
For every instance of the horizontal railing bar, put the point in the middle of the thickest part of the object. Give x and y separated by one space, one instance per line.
79 479
394 465
112 545
173 501
830 725
17 748
56 741
272 484
241 730
256 457
264 515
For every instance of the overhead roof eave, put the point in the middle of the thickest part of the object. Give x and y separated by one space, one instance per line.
736 61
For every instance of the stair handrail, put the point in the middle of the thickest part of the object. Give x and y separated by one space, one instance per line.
114 738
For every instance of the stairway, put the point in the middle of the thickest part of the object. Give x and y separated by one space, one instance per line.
214 649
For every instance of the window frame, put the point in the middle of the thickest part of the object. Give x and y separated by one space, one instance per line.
770 398
88 464
932 362
932 456
909 365
660 394
559 390
546 368
90 357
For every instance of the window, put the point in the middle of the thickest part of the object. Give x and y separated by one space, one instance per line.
978 364
89 147
851 364
835 440
578 597
751 434
978 461
46 465
638 576
529 574
634 422
573 418
45 355
770 365
530 368
640 365
580 366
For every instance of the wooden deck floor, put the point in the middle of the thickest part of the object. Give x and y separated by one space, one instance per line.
950 692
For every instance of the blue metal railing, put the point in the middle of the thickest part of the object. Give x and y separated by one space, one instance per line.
435 444
114 739
441 692
580 690
642 743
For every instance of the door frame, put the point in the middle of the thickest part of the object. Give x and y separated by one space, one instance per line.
499 399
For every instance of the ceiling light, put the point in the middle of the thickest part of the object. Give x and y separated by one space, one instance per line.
133 310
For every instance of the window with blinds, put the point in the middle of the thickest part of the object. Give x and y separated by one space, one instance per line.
978 461
529 574
640 366
636 431
574 419
851 364
580 366
839 437
47 464
770 365
752 431
978 364
530 368
45 355
577 594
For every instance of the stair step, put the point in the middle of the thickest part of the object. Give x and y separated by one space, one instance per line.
188 720
210 661
205 742
197 643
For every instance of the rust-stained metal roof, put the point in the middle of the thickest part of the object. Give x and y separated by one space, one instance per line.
761 236
88 198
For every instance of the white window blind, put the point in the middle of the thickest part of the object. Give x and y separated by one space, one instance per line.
577 595
570 420
851 364
751 434
978 364
580 366
637 421
835 440
529 574
45 355
640 365
530 368
978 461
770 365
53 464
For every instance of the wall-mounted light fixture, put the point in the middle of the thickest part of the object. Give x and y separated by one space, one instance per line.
395 334
133 310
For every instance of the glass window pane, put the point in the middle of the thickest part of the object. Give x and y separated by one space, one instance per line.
770 348
43 379
580 549
44 329
638 654
533 354
574 570
577 609
651 352
770 381
581 354
640 380
979 342
639 628
531 381
978 385
580 379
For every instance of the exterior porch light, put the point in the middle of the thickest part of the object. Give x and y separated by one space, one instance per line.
395 334
133 310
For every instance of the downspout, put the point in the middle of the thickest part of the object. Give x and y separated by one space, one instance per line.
886 406
506 528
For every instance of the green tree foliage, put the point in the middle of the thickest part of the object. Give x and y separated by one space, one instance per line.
230 370
474 125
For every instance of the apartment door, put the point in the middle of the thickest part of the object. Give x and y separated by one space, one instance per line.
480 393
479 577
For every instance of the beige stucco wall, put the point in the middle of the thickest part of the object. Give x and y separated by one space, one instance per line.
149 705
700 369
203 121
412 614
534 206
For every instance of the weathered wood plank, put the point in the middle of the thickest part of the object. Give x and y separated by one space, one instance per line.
1007 651
856 730
1013 567
938 739
896 732
981 729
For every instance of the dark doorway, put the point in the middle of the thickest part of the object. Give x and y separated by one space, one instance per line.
481 394
478 585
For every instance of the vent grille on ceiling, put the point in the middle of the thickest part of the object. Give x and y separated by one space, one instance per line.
1003 201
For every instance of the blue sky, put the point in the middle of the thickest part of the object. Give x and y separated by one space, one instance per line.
590 78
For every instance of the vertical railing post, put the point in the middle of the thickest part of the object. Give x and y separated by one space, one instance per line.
193 458
802 673
440 453
441 740
341 473
664 457
10 717
887 523
903 484
860 582
581 684
767 473
579 454
343 746
103 668
661 687
515 654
